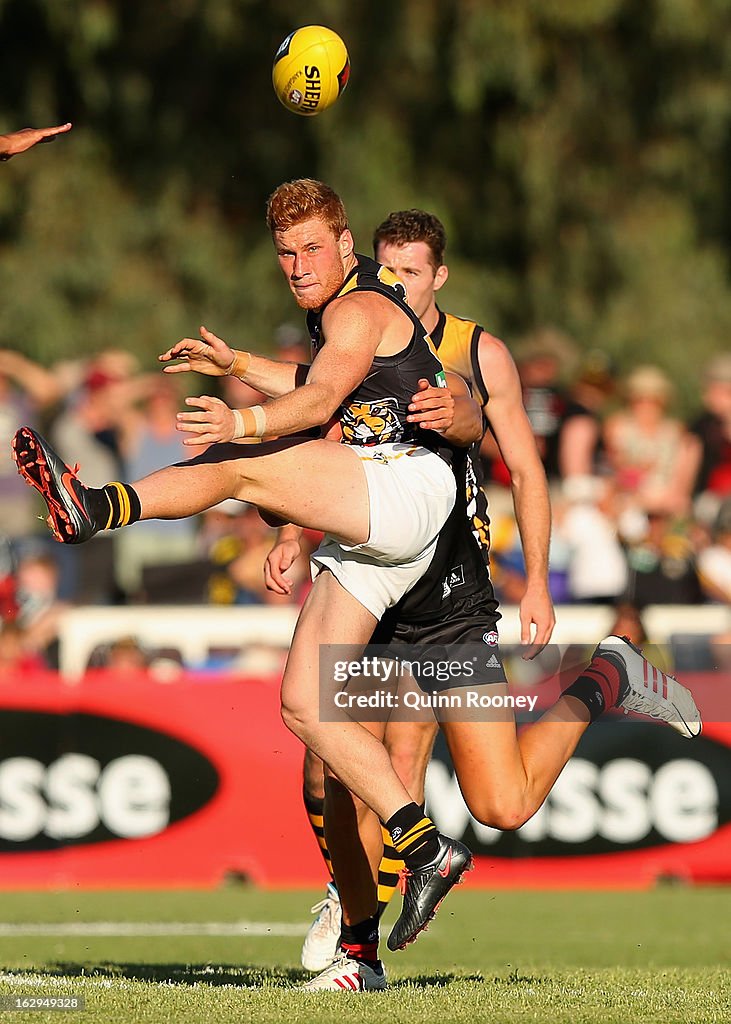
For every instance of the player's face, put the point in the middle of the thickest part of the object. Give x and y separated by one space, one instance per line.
313 260
411 263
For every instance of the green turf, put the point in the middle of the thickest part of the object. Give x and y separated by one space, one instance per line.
579 957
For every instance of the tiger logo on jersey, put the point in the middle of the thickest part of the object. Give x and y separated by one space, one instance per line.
371 422
480 528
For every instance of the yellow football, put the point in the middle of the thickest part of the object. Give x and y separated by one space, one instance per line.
311 69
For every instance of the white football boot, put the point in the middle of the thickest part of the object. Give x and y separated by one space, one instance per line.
322 939
648 691
347 975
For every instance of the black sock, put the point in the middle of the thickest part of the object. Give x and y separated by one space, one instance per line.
599 686
113 506
360 941
414 835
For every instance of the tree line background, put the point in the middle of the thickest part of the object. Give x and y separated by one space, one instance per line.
576 150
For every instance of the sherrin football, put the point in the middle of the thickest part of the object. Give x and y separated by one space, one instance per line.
311 69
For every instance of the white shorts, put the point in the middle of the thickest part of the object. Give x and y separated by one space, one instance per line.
411 492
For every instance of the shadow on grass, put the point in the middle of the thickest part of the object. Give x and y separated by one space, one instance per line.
241 975
238 975
432 980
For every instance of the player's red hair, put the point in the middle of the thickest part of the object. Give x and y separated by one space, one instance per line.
302 199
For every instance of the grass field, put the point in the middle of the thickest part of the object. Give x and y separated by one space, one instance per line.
233 956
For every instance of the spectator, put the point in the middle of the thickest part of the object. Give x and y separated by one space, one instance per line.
238 541
597 566
39 606
15 654
148 440
650 453
126 655
628 622
580 442
292 344
25 389
8 603
713 430
541 360
662 564
714 562
87 428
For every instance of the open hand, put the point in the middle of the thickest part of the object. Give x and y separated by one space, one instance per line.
18 142
215 423
210 355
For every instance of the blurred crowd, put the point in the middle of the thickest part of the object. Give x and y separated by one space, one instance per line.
641 497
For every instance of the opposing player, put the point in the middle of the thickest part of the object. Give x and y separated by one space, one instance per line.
18 142
454 603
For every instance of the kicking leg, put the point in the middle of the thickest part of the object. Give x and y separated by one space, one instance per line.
316 484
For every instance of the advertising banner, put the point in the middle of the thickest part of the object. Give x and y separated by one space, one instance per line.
125 781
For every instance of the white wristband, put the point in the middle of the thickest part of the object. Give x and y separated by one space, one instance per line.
249 422
239 428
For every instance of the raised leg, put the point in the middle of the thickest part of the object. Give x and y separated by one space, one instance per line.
316 484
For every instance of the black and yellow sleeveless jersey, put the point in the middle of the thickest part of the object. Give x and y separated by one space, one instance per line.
375 412
457 341
457 583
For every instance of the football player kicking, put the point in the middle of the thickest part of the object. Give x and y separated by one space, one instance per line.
454 603
381 497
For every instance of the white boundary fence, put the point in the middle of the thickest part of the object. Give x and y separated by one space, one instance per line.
195 631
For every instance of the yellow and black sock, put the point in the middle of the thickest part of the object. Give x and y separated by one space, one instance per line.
391 862
388 872
314 805
112 506
414 835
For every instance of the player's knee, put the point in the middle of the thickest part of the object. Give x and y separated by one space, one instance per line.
504 815
410 768
298 718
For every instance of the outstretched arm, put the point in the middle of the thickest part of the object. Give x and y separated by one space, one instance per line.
354 330
511 427
213 357
42 385
18 142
